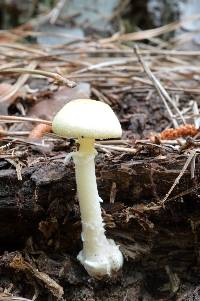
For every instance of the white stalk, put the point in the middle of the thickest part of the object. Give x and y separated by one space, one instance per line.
100 256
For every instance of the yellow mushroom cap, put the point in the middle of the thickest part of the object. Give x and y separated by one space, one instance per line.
87 118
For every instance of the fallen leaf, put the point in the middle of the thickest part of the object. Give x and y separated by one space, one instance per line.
48 107
39 131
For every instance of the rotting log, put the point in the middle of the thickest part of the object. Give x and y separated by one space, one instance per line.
49 190
162 241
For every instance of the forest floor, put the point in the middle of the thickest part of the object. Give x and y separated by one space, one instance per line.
149 180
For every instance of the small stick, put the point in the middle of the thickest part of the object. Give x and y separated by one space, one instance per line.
54 14
114 142
196 114
19 83
105 64
23 48
101 96
14 133
149 33
189 159
13 298
57 77
117 148
162 92
31 119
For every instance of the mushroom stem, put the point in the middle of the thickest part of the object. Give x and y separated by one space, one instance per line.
92 223
100 256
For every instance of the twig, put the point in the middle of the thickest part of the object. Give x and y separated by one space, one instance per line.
22 48
189 159
154 80
57 77
115 142
193 166
162 92
196 113
105 64
101 96
20 264
54 14
12 298
117 148
149 33
11 65
19 83
23 119
14 133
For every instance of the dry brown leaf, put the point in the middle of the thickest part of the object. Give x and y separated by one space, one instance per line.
47 108
39 131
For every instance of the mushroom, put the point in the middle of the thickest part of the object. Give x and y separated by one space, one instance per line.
88 119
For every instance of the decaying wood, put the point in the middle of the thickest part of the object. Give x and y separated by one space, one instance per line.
137 182
43 205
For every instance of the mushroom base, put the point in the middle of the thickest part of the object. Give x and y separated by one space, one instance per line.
108 261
